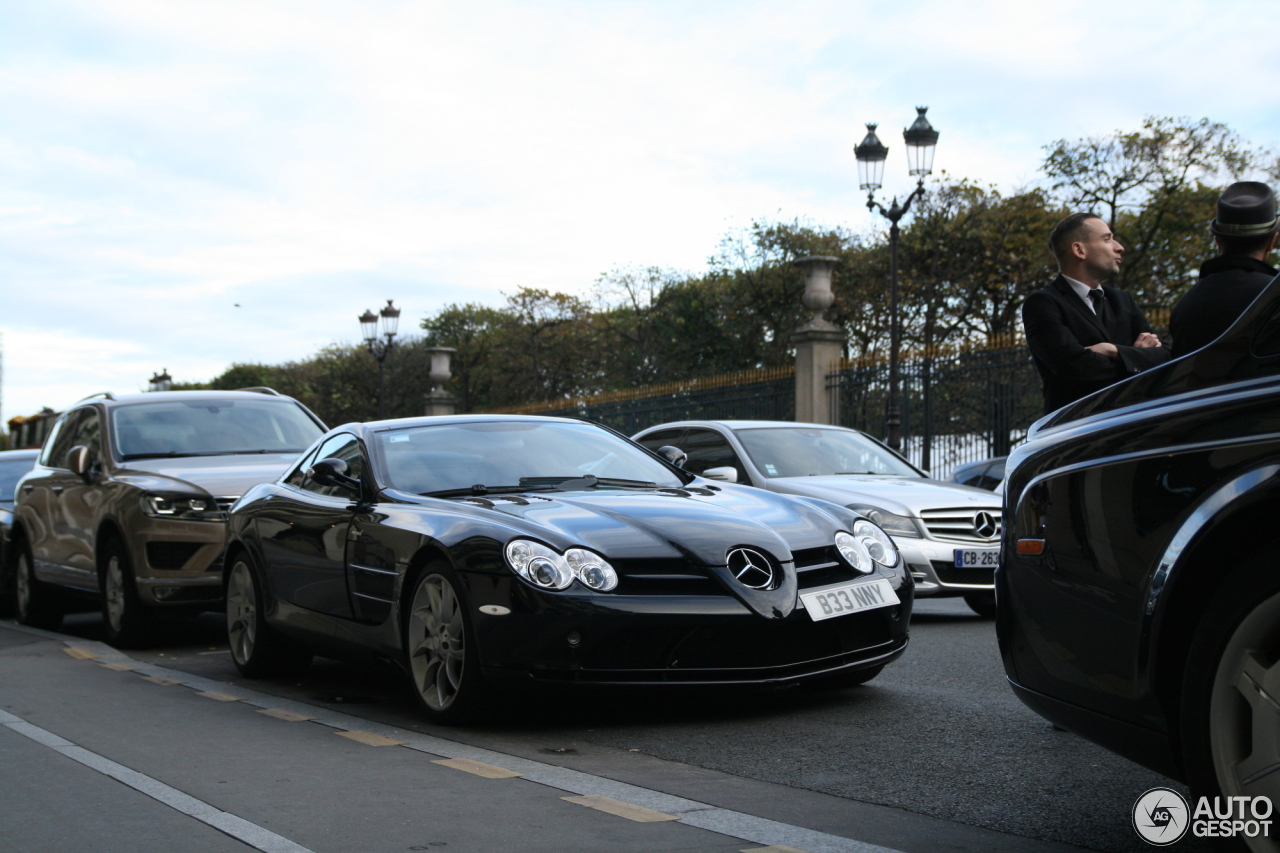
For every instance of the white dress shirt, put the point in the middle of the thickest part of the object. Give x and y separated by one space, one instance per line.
1083 290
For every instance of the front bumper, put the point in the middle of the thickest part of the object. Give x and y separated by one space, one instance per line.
932 566
582 637
178 562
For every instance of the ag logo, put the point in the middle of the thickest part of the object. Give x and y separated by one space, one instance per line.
1161 816
984 524
752 569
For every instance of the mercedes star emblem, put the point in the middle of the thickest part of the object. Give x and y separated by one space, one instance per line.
752 569
984 524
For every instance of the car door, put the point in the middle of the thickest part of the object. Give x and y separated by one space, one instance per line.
303 532
80 503
56 543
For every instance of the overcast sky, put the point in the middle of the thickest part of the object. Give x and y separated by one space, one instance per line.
188 184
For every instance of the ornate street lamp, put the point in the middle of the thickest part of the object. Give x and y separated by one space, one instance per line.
160 381
920 139
380 346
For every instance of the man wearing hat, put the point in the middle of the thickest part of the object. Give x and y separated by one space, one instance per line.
1084 336
1245 232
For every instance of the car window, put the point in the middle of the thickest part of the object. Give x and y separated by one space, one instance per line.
709 449
299 472
11 471
62 439
211 427
661 438
809 452
345 447
444 457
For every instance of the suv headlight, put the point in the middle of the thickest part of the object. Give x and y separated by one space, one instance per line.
894 525
546 568
182 507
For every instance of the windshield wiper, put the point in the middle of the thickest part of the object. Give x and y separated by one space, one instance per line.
480 489
587 481
177 454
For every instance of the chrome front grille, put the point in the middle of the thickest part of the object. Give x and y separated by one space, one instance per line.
957 525
224 502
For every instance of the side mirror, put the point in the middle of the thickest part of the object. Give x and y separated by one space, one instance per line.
77 460
333 472
674 455
727 474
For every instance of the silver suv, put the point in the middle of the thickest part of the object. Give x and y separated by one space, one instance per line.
128 501
948 534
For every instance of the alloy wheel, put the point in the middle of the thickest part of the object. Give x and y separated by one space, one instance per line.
437 642
1244 710
113 592
22 587
242 613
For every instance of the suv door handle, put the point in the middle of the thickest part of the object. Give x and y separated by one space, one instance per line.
57 490
28 487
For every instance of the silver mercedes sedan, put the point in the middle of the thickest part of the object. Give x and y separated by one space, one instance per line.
948 534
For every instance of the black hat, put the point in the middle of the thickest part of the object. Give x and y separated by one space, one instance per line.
1246 209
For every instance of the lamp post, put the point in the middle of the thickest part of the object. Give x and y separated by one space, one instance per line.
380 347
920 140
160 381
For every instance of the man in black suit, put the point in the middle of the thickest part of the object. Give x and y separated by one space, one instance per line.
1245 232
1084 336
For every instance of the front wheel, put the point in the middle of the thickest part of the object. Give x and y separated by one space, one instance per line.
1230 722
441 649
33 601
982 603
125 617
257 649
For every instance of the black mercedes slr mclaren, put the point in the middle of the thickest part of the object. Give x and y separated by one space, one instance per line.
483 550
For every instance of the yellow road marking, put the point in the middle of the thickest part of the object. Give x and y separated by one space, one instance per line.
488 771
160 679
621 809
79 653
777 848
287 716
219 697
370 738
119 667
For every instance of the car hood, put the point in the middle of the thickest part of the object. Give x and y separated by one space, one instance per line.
217 475
698 523
901 495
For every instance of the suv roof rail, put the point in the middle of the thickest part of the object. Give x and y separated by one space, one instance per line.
106 394
262 389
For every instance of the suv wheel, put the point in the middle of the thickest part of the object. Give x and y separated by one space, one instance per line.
33 601
125 618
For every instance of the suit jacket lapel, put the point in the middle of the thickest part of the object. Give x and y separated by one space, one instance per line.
1064 288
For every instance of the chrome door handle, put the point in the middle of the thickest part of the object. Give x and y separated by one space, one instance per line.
57 490
28 487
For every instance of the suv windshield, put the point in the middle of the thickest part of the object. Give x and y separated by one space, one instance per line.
502 454
210 428
809 452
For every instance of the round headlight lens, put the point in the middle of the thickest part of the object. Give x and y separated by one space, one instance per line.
538 564
593 570
854 552
878 543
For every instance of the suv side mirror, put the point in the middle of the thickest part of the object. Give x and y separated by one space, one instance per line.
674 455
727 474
333 472
77 460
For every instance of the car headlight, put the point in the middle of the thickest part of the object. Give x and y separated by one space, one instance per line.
182 507
893 524
878 543
546 568
854 552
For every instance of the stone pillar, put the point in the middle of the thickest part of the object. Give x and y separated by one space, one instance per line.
440 401
819 343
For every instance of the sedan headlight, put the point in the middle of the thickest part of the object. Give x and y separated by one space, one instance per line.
877 543
546 568
893 524
854 552
182 507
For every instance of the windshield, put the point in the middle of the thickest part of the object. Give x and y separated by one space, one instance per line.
210 428
808 452
11 471
504 454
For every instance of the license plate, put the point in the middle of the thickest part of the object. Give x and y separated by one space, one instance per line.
974 559
849 598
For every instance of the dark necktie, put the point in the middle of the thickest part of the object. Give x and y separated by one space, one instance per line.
1095 296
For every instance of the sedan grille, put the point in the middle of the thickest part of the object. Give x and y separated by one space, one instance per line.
964 525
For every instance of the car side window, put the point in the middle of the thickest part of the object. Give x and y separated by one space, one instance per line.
64 438
709 449
89 433
299 472
344 447
662 438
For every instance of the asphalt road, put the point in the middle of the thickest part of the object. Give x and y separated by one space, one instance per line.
935 754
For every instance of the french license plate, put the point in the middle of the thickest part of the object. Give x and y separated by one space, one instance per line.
848 598
967 558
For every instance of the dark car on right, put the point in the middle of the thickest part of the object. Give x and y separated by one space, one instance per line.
1139 586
